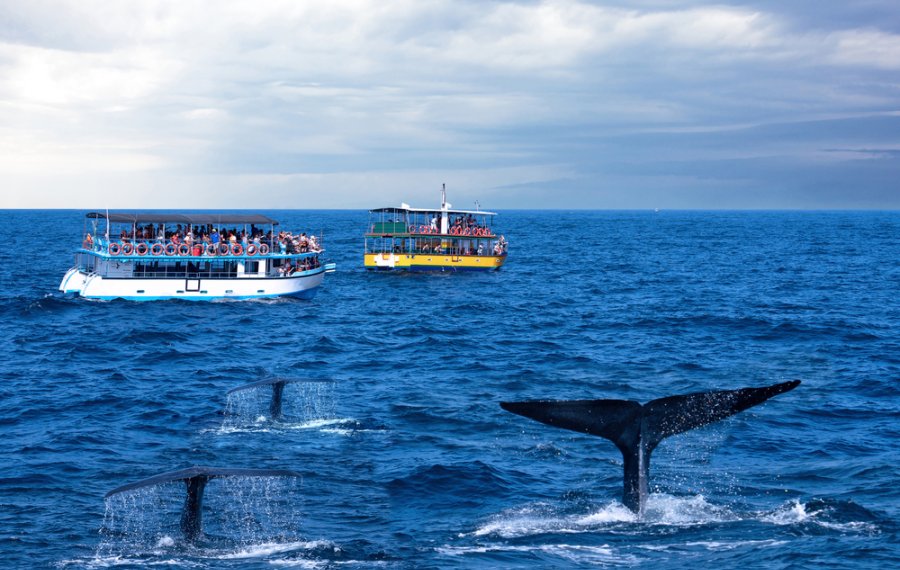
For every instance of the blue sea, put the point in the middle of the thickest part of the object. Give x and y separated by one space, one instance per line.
407 460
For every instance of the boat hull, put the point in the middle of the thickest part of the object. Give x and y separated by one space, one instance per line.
432 262
302 285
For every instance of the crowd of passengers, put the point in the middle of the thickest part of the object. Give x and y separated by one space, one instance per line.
305 264
459 223
287 242
429 246
467 222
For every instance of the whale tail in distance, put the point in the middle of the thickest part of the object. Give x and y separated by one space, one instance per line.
637 429
277 384
195 479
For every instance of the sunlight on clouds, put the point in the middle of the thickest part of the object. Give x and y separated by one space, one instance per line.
701 28
24 155
521 37
868 47
63 78
205 114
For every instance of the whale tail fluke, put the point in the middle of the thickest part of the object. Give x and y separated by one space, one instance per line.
195 480
277 384
678 414
609 419
637 429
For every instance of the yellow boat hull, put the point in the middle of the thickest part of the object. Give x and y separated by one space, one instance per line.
433 262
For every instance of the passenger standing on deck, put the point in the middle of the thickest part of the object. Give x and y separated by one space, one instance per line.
214 236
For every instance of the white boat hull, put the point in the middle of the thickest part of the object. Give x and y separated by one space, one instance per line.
94 286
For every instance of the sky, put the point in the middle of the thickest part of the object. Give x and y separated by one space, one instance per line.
308 104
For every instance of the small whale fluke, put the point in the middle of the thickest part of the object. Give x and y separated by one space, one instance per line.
277 384
637 429
195 479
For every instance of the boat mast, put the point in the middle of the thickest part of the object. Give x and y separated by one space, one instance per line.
445 216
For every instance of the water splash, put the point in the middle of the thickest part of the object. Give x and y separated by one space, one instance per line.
840 516
238 513
302 402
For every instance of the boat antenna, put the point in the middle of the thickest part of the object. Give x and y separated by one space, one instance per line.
107 224
443 195
477 206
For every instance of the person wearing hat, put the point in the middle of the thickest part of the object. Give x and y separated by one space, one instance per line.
214 236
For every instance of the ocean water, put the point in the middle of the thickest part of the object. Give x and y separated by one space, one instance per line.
407 461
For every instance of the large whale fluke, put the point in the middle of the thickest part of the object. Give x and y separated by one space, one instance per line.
637 429
277 384
195 479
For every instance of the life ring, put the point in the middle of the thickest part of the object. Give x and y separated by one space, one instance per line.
263 249
184 249
454 231
423 229
237 249
171 249
127 248
223 249
479 232
252 250
210 249
156 249
467 231
141 249
114 248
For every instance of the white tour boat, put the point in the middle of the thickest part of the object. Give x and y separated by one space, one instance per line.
199 257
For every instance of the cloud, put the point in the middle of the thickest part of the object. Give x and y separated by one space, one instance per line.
867 47
246 92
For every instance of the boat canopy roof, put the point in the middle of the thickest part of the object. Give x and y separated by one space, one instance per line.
193 219
403 210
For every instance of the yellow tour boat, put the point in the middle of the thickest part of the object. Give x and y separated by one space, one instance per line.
441 239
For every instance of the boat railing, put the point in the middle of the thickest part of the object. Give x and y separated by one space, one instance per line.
172 273
197 268
164 249
474 231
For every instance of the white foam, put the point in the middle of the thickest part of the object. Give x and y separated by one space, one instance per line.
718 546
300 563
112 561
661 509
792 513
269 548
228 430
668 510
262 425
611 513
318 423
795 512
573 552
